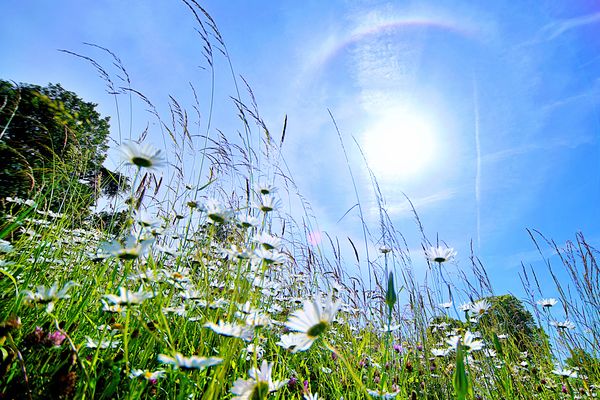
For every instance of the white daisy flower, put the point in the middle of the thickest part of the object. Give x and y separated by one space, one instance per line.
147 375
378 394
440 254
215 212
311 396
446 305
267 203
141 155
479 307
269 242
128 297
232 330
193 362
568 373
312 321
48 296
468 340
440 352
101 344
547 303
258 386
566 324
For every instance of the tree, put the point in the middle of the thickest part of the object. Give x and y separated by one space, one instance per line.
52 146
508 316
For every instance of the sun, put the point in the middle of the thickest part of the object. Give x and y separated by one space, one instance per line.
400 145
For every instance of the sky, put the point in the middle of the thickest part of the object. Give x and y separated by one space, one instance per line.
486 115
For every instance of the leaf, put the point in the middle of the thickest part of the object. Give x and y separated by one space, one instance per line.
461 383
390 296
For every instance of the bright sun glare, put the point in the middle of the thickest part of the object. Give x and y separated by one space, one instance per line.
400 145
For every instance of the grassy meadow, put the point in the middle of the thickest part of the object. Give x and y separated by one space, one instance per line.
205 281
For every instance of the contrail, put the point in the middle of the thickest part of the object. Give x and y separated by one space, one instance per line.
478 163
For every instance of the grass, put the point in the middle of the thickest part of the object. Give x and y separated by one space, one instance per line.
118 308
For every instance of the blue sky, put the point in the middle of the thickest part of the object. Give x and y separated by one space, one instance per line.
486 114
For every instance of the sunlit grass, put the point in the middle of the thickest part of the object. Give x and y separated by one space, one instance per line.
212 290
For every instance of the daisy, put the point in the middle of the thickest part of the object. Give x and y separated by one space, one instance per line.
215 212
5 246
440 352
141 155
147 375
270 256
440 254
310 396
267 203
378 394
48 296
568 373
101 344
193 362
269 242
468 340
232 330
385 249
265 188
312 321
258 386
130 249
480 307
128 297
566 324
446 305
248 221
547 303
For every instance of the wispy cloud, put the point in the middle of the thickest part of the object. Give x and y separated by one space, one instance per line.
568 142
555 29
419 203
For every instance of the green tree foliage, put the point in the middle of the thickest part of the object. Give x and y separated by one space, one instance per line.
586 364
52 146
508 316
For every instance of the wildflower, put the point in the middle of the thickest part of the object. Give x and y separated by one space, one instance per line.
269 242
547 303
232 330
270 256
130 249
258 386
267 203
127 297
147 375
102 344
480 307
440 254
465 307
193 362
265 188
489 352
141 155
312 321
468 340
310 396
248 221
5 246
385 249
215 212
446 305
568 373
48 296
440 352
55 339
378 394
566 324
